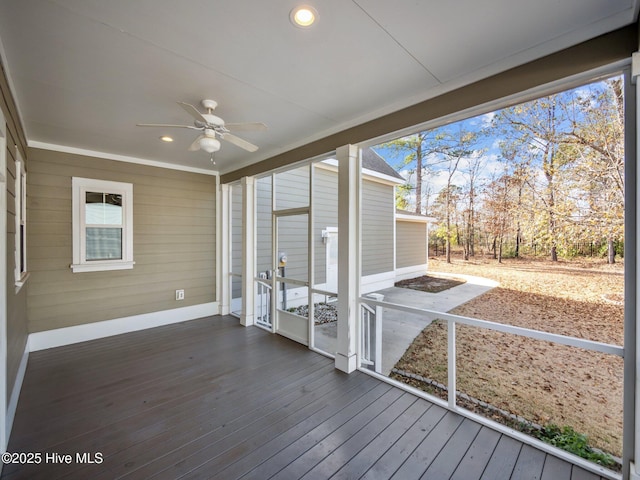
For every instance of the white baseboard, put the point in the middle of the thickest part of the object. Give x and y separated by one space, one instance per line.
405 273
92 331
15 393
377 281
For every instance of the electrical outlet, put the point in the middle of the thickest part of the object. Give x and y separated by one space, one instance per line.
179 294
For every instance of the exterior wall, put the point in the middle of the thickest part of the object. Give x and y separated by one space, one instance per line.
325 213
263 227
411 244
292 191
378 207
236 238
378 210
17 330
174 243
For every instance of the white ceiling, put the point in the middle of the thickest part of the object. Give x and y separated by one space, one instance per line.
84 72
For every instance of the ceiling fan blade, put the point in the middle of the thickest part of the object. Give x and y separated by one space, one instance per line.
165 125
246 127
196 144
239 142
193 111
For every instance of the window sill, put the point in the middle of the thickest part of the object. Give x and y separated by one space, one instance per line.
101 267
21 281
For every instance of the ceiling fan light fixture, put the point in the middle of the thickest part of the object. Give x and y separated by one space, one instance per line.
303 16
209 144
166 138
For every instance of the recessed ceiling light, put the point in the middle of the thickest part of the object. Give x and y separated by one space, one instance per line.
303 16
166 138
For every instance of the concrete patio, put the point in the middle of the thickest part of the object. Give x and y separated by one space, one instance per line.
399 329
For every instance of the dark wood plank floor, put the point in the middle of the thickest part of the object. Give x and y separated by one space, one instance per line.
211 399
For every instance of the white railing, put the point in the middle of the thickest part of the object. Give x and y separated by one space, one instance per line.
371 334
263 301
235 306
452 320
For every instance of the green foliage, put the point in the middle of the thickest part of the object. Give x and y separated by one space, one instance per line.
571 441
402 194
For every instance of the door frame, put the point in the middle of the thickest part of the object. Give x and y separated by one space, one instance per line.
276 313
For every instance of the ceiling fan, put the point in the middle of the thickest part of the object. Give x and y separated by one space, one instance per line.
211 127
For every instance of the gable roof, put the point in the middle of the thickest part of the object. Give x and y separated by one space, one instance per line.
371 160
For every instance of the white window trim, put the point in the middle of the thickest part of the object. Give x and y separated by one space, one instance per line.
20 247
79 187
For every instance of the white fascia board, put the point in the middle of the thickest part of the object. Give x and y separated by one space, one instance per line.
415 218
332 165
120 158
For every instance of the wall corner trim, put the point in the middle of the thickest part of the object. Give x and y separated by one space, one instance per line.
12 404
92 331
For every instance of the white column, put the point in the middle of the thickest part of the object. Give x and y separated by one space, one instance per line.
633 184
5 426
248 251
348 256
224 256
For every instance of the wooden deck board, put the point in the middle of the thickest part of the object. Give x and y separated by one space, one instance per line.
429 448
555 468
331 463
529 464
361 462
266 446
444 465
477 456
211 399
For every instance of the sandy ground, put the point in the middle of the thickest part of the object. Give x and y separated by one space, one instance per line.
540 381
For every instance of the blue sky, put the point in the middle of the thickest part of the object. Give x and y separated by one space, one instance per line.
488 144
438 178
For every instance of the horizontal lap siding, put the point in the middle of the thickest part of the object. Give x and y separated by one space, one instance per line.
378 206
292 191
264 234
236 237
293 240
16 307
292 188
377 222
411 244
325 214
173 242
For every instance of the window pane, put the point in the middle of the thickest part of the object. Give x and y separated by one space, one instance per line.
104 244
103 208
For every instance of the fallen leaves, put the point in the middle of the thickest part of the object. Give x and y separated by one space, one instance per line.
537 380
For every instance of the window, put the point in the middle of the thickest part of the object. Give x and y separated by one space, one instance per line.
102 225
21 223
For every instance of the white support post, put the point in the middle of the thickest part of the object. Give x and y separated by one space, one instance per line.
224 254
632 375
311 265
348 255
377 357
247 316
5 420
451 363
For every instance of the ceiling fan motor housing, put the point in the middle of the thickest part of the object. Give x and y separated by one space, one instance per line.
213 120
209 104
